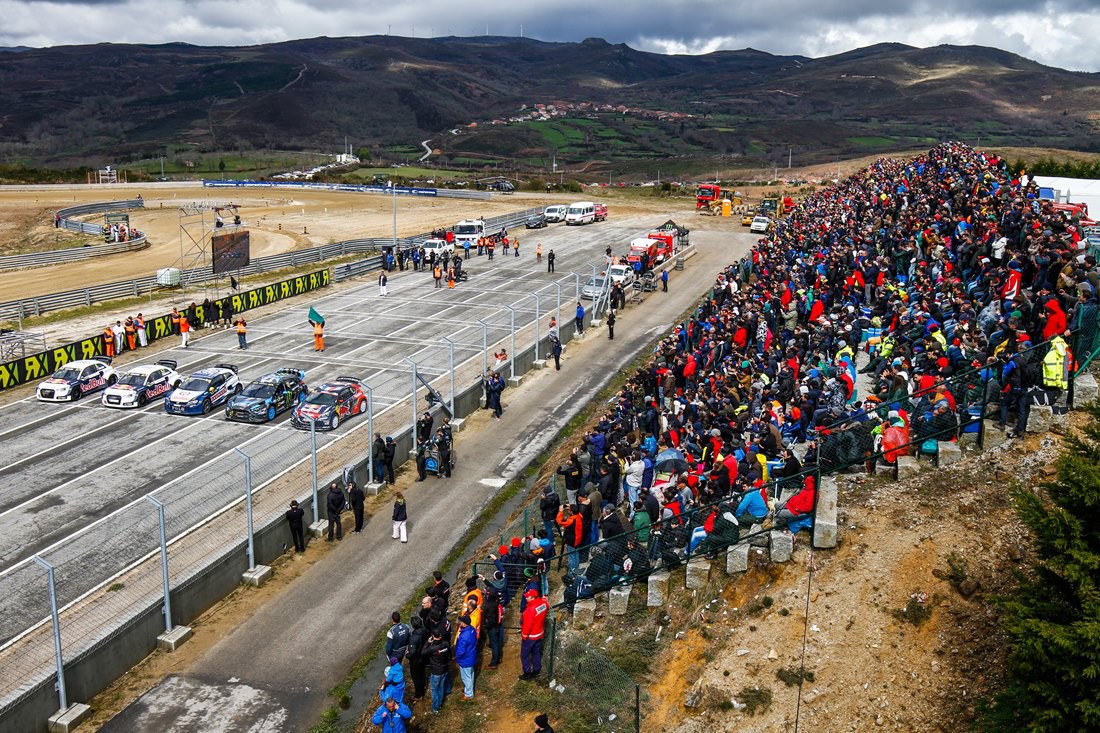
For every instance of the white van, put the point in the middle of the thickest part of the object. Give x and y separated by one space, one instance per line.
556 214
469 230
582 212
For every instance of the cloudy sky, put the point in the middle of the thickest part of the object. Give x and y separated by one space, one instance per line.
1055 32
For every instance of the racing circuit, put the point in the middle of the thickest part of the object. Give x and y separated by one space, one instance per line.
75 477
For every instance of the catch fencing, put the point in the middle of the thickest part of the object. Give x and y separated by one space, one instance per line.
68 222
13 310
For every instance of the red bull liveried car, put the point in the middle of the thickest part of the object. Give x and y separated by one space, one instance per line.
138 385
76 379
330 403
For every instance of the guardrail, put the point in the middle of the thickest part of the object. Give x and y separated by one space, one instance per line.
68 223
453 193
16 309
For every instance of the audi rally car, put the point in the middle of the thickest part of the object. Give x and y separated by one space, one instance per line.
136 386
77 378
263 399
203 391
330 403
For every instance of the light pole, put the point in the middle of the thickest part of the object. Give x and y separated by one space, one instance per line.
451 350
56 631
413 426
577 285
538 315
484 347
393 189
248 506
163 561
370 431
512 364
558 317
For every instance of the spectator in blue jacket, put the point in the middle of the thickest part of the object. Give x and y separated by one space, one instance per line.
391 716
466 655
752 509
580 318
393 684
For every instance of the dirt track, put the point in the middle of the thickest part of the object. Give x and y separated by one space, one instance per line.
278 221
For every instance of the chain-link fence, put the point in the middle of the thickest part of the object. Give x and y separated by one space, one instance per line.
594 692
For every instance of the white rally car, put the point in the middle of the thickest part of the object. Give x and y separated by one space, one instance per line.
203 391
77 378
136 386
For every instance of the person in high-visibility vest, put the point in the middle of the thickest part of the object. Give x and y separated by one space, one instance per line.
139 324
242 334
318 336
174 319
437 273
185 331
515 246
131 334
1056 366
108 341
451 278
538 253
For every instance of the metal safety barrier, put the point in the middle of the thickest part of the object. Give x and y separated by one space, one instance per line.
70 224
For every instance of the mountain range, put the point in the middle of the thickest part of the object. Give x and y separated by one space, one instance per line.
109 102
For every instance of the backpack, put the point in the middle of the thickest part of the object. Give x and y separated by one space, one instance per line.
1030 373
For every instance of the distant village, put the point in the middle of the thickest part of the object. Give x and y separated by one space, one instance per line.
544 112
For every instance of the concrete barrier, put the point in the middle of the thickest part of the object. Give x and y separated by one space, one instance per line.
584 612
1084 389
618 600
698 572
908 467
737 558
656 589
782 545
825 514
1040 418
948 453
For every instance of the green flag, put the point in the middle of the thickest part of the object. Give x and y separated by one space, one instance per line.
315 317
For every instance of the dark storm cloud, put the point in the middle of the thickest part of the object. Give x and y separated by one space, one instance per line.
1057 32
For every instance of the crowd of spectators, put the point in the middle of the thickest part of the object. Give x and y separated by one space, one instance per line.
965 290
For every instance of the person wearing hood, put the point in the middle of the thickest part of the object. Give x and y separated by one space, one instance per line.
393 682
492 616
548 508
1054 323
418 666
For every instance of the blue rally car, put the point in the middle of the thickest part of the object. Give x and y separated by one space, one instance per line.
203 391
263 399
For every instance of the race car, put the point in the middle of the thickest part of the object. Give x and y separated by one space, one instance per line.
136 386
263 399
77 378
330 403
203 390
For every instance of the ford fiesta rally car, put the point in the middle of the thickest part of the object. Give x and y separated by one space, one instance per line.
137 385
266 397
203 391
77 378
330 403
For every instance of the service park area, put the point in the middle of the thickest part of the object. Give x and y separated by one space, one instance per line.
75 477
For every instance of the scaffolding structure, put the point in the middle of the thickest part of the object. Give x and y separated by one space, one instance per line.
198 223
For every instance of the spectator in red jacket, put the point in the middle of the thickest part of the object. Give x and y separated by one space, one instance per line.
799 505
532 628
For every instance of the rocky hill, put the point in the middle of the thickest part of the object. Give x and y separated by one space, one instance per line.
95 103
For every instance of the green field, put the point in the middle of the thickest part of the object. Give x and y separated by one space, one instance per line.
872 141
408 171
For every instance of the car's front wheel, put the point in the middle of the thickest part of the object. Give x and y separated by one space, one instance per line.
206 406
75 394
271 413
334 422
142 399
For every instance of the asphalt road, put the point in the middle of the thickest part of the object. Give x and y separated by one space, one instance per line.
73 477
274 669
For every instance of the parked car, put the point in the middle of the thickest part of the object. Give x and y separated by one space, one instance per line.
622 274
75 379
594 287
760 225
601 212
441 247
261 400
203 391
746 220
137 385
555 214
330 403
536 221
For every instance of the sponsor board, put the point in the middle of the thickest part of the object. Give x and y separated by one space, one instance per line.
36 367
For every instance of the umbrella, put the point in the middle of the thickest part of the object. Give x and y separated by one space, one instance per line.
669 454
672 465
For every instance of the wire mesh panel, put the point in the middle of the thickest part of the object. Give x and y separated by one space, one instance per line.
595 693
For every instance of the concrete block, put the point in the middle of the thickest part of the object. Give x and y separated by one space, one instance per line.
698 571
515 381
657 589
948 453
1040 418
257 576
992 436
374 488
1060 423
618 600
538 364
596 323
759 536
481 403
457 423
169 641
1084 389
825 514
782 545
318 529
66 720
737 558
968 440
908 467
584 612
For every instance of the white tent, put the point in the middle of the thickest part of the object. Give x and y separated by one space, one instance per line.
1074 190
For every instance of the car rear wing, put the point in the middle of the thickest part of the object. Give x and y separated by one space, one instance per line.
104 359
230 367
291 372
353 380
170 363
